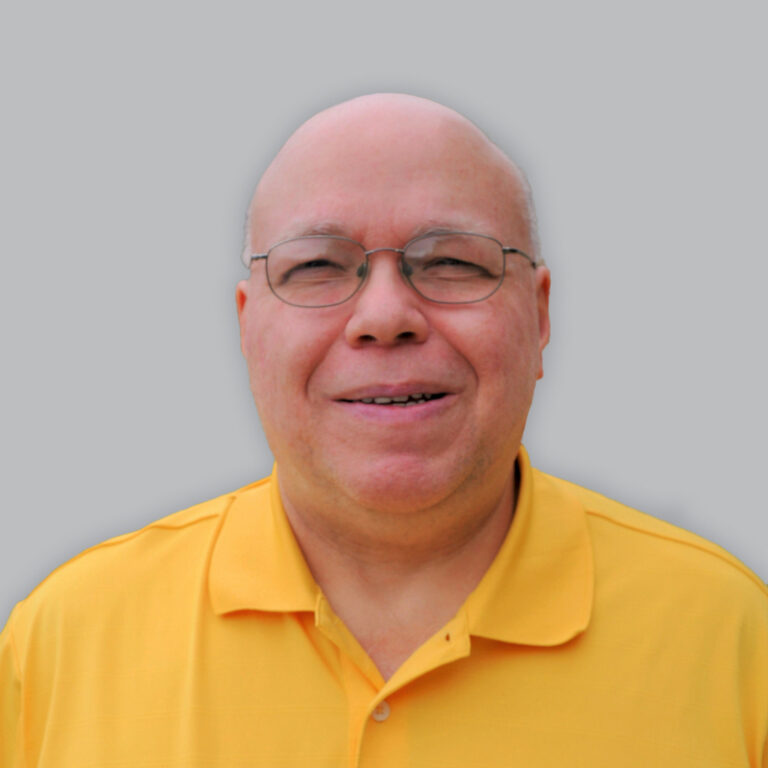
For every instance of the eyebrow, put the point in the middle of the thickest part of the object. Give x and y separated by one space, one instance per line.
319 228
439 227
427 227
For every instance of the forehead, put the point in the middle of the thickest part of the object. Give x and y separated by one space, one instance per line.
384 174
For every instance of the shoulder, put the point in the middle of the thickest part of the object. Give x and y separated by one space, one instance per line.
626 539
123 572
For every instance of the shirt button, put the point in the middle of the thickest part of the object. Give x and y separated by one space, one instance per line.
381 712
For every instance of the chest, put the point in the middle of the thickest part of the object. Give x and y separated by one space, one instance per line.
272 690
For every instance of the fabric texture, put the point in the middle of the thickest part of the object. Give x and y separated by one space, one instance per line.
598 637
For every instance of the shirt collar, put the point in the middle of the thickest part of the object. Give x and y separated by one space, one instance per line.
538 590
256 562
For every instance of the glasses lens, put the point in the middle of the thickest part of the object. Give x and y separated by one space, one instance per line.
454 268
315 271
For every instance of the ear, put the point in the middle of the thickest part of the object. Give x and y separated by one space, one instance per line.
241 296
543 282
241 299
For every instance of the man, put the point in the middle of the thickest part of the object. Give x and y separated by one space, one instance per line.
405 589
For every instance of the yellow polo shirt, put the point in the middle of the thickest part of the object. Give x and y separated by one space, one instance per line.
598 637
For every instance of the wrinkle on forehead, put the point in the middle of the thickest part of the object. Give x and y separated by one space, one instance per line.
375 137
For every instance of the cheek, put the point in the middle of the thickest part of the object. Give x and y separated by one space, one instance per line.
282 351
269 359
264 351
506 362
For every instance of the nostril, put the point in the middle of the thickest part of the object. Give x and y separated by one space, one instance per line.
406 335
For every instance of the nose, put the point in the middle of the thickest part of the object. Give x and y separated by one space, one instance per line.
386 311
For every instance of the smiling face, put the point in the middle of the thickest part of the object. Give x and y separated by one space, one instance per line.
382 170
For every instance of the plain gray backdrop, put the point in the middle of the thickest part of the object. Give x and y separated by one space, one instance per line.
133 134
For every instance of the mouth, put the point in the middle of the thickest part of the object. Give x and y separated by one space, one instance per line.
400 401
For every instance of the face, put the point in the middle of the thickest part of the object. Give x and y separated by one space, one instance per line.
382 180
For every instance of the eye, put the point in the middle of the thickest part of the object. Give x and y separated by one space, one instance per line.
320 268
456 257
306 266
316 264
450 267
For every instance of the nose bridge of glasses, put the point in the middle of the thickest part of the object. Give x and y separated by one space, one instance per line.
379 250
363 270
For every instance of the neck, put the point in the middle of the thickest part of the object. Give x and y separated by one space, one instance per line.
397 578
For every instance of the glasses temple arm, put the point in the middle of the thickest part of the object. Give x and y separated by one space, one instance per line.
248 260
534 264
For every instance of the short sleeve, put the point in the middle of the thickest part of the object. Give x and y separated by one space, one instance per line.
10 703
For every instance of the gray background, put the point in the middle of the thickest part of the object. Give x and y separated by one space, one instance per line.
134 132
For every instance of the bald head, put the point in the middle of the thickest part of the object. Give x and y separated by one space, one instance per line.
374 145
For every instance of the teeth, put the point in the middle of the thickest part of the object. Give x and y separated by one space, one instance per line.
400 400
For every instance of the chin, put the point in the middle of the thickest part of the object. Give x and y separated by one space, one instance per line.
401 485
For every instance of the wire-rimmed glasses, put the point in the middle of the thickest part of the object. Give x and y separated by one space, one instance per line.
447 268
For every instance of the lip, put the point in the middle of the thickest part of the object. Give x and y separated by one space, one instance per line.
395 414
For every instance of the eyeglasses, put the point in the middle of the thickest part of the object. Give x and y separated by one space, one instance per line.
447 268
